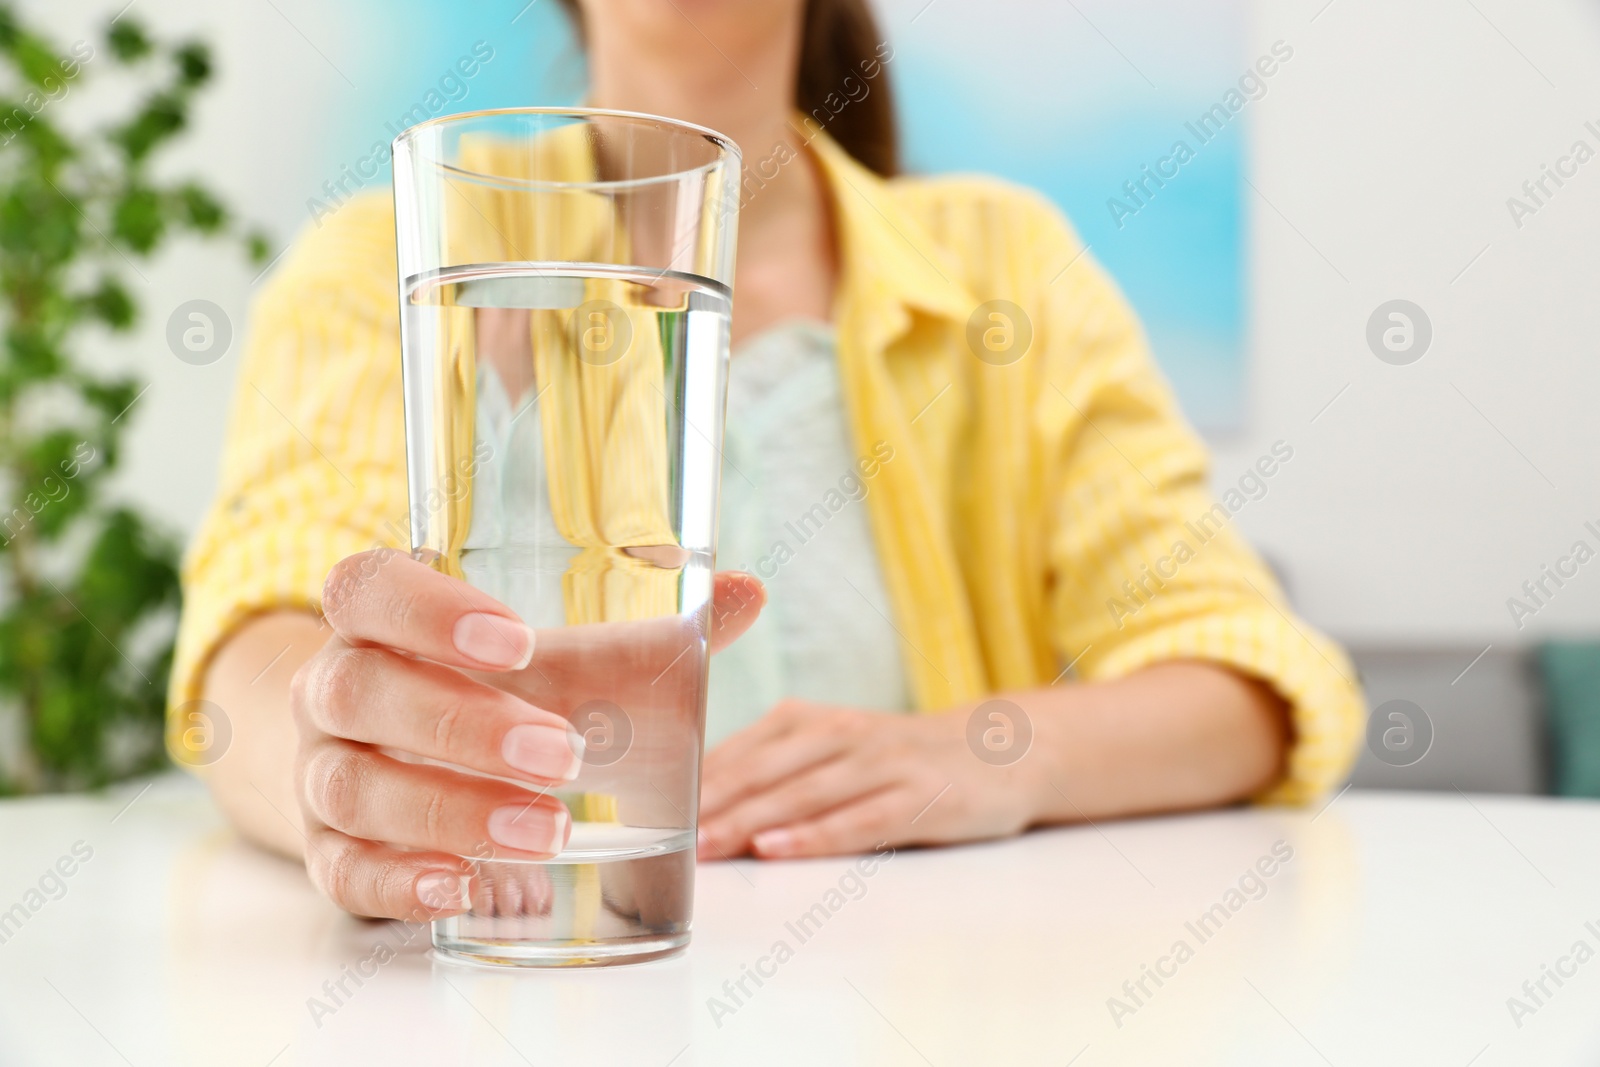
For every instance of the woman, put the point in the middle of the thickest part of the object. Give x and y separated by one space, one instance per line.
1041 513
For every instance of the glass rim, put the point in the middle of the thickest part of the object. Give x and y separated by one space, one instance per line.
408 138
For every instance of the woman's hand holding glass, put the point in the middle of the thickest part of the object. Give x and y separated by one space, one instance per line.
401 689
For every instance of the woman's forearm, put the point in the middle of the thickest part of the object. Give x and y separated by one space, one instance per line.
1171 737
253 781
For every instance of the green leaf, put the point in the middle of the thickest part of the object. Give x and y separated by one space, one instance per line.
39 222
194 65
138 220
33 355
258 247
199 209
59 453
33 132
38 63
127 40
58 728
129 570
54 481
110 303
56 502
163 116
111 398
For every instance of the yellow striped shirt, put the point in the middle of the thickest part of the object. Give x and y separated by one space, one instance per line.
1047 504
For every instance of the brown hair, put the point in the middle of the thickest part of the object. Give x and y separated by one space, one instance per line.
840 50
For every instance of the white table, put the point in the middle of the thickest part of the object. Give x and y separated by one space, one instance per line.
1394 935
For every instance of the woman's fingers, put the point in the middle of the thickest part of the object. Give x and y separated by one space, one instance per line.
874 819
770 728
362 793
777 746
736 601
366 878
384 597
793 799
378 697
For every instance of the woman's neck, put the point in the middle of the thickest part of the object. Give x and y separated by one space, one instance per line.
749 102
744 89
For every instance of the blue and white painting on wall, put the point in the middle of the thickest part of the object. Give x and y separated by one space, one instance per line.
1131 117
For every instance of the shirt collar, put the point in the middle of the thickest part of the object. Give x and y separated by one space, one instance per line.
883 250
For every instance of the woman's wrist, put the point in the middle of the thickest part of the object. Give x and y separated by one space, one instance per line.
248 680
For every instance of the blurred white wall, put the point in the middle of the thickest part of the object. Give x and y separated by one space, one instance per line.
1427 494
1417 502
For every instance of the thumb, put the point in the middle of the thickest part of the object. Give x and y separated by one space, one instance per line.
736 601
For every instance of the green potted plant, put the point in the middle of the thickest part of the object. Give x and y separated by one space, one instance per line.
88 588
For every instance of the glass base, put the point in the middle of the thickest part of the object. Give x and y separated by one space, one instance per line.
522 953
615 894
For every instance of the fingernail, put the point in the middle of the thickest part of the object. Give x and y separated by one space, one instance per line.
443 891
523 827
494 641
544 751
773 842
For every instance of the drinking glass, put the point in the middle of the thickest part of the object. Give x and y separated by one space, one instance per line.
564 283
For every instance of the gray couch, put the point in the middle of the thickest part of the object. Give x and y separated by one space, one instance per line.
1488 724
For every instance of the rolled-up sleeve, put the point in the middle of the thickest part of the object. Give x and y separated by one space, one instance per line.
1145 564
313 467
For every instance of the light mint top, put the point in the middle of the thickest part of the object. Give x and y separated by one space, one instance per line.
793 513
